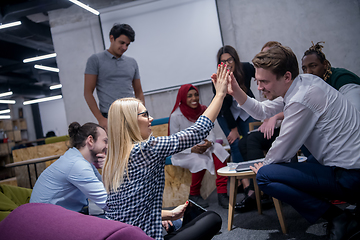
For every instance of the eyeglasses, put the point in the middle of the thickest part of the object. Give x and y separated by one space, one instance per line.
229 60
144 114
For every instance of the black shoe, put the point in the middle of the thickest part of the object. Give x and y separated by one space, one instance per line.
223 200
266 202
343 227
199 200
247 204
240 189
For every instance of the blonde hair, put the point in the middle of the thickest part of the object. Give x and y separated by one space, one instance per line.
123 133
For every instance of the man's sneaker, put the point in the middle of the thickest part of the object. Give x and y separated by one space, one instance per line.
344 226
223 200
199 200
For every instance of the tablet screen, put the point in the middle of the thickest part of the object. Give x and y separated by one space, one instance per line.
192 211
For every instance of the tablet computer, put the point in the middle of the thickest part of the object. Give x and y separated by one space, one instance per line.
245 166
192 211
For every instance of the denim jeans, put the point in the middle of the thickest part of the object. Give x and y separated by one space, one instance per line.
243 129
308 187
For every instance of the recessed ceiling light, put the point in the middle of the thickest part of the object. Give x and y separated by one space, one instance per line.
42 99
7 25
4 111
6 94
80 4
5 117
51 69
39 58
55 86
8 101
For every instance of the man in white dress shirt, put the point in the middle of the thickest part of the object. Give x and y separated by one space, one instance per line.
318 116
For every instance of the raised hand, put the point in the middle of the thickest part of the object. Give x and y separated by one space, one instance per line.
233 86
221 79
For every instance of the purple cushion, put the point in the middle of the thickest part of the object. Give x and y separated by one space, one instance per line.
47 221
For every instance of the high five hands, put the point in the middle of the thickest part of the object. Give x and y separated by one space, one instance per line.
232 86
221 79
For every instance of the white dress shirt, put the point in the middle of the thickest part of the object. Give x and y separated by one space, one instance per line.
237 111
316 115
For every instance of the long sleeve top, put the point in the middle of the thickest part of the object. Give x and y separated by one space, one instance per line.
193 161
138 200
69 182
316 115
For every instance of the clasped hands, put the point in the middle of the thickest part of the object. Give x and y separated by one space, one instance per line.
201 148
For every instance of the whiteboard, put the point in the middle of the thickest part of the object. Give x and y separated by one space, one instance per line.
176 41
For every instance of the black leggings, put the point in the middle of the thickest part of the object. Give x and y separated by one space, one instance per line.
203 227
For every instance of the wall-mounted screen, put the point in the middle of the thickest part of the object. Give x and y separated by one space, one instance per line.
176 41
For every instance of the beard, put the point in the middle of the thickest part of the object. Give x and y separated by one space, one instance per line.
93 154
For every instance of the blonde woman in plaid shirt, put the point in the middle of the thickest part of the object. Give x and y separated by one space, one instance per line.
133 174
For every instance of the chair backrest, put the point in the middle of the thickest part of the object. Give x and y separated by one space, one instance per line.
159 127
253 125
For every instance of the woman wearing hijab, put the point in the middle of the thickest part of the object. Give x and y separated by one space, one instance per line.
206 155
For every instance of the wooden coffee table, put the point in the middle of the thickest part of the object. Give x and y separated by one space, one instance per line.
233 175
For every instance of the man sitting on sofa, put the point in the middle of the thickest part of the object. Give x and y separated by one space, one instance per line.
73 179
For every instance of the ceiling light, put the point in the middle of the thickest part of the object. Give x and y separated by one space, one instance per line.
4 111
8 101
5 117
55 86
80 4
39 58
13 24
51 69
42 99
6 94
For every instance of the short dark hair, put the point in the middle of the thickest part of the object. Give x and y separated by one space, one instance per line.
122 29
278 60
78 134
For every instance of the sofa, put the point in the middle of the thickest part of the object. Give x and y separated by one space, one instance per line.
12 197
48 221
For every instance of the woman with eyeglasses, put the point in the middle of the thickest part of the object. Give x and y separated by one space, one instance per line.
232 119
207 155
133 174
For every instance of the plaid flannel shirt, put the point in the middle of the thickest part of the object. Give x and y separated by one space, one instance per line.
138 200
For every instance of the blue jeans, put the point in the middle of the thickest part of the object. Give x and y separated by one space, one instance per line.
243 129
308 187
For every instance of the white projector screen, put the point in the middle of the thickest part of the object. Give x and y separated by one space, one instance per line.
176 41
